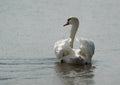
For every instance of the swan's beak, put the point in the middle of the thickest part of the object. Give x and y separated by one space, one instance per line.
67 23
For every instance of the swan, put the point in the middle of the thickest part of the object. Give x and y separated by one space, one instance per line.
64 48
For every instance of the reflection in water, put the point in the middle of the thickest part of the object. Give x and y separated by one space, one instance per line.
74 74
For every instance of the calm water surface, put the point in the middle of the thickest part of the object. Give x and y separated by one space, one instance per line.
29 29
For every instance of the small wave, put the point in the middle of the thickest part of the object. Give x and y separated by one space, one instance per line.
27 61
5 78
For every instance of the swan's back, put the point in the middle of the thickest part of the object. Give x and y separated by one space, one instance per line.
66 54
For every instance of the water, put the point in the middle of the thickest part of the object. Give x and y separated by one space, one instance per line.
29 29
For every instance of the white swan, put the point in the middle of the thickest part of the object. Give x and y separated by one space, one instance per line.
64 48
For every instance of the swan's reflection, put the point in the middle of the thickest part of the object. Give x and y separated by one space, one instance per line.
74 74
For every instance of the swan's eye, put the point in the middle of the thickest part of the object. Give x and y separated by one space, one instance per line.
69 19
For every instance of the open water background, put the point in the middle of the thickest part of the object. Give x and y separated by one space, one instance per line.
29 29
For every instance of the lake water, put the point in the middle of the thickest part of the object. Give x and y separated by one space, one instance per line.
29 29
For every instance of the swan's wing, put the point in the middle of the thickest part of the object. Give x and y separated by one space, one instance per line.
62 48
87 47
62 43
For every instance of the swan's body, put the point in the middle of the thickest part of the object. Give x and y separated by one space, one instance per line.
64 48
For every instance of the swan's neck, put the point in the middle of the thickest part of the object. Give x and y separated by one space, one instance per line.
73 32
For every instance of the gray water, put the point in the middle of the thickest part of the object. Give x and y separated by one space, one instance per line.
29 29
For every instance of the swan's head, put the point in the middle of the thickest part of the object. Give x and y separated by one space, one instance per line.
72 21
